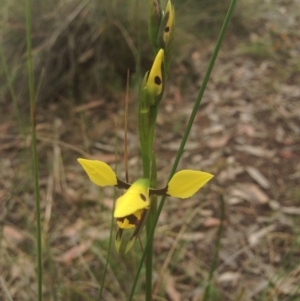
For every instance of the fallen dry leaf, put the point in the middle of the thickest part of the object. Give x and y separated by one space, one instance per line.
229 174
288 286
218 142
211 222
249 192
171 291
73 229
73 253
91 105
246 129
194 236
292 91
256 151
191 145
291 210
254 238
12 234
94 233
257 176
229 277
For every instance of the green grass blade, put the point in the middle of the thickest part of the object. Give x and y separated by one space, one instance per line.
216 255
188 129
111 226
11 91
34 151
109 249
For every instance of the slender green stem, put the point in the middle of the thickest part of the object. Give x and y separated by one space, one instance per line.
152 125
147 122
149 226
149 259
149 248
109 251
111 227
52 271
153 206
216 255
34 150
187 131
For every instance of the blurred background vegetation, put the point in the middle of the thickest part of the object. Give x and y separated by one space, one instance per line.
84 48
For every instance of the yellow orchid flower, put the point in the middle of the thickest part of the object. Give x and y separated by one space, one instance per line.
131 208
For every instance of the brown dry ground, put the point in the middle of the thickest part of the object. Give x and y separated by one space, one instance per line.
247 133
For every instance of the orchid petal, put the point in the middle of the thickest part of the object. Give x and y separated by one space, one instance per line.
185 183
99 172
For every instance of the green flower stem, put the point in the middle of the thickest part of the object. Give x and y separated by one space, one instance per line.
187 132
146 147
152 126
144 131
34 152
147 123
148 163
149 225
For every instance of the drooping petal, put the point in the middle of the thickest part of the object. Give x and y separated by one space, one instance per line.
185 183
130 244
99 172
134 199
141 216
118 239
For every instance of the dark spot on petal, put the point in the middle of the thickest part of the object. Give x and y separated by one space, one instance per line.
132 219
143 197
167 29
157 80
120 219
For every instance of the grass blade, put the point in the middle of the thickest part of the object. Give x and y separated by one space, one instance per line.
34 151
216 255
